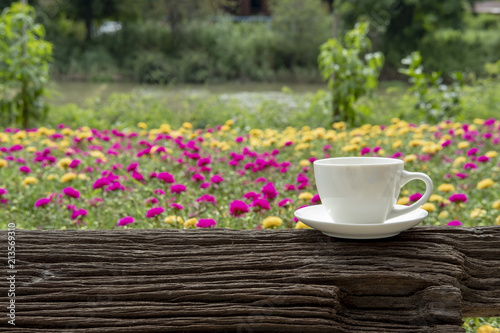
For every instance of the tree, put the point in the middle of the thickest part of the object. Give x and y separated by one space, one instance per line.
24 65
349 71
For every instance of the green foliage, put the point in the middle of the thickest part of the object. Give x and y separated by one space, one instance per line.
436 101
24 66
350 72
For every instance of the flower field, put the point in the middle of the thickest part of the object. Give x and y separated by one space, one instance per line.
231 178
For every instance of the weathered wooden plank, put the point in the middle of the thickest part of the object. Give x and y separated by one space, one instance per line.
424 280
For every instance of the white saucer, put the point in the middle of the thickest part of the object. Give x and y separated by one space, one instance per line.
316 217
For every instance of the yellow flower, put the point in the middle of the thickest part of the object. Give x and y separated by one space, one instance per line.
463 144
187 125
304 163
428 206
67 131
396 144
446 188
229 122
3 163
300 225
173 218
142 125
492 154
190 222
403 201
459 160
64 162
68 177
30 180
52 176
305 196
436 197
410 158
444 214
477 212
271 221
497 220
496 204
82 176
31 149
302 146
485 183
487 329
339 125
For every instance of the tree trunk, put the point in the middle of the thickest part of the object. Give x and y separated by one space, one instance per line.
423 280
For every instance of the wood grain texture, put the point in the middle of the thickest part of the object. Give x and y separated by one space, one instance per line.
423 280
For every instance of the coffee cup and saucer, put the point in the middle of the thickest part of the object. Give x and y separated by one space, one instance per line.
359 195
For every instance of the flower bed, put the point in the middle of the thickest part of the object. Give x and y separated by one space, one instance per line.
227 177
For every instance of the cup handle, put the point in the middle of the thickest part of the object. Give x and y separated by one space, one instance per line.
405 178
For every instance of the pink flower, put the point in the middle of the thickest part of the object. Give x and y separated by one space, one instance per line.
251 195
461 175
100 183
261 204
285 202
206 198
25 169
74 164
206 223
216 179
3 191
365 151
78 212
132 166
269 191
197 177
470 166
137 176
203 161
177 188
446 143
458 197
159 191
472 151
205 185
42 202
315 199
483 159
415 197
124 221
238 208
115 186
71 192
166 177
154 212
177 206
454 223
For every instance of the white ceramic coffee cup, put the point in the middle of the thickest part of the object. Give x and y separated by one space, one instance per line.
364 190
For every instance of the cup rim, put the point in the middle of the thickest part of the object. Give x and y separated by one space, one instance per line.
358 161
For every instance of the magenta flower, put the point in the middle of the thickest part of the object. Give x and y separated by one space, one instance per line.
137 176
472 151
100 183
261 204
177 188
461 175
454 223
166 177
197 177
238 208
74 164
177 206
446 143
316 199
71 192
25 169
251 195
203 161
290 187
206 198
132 166
458 197
205 185
3 191
115 186
78 212
124 221
154 212
483 159
269 191
468 166
415 197
206 223
159 191
42 202
216 179
365 151
285 202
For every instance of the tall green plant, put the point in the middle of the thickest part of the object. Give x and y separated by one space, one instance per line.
350 71
435 99
24 65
